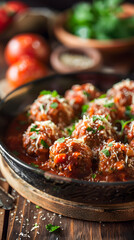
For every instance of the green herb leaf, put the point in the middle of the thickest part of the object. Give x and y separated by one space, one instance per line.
101 127
34 165
110 144
71 129
85 108
45 92
37 206
54 93
61 140
33 129
109 105
41 107
44 144
106 152
52 228
123 123
54 105
33 137
91 129
96 118
86 93
128 112
93 175
28 114
103 96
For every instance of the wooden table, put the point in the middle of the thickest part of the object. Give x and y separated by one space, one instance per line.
26 221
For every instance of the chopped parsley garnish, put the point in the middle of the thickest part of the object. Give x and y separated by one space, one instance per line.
33 137
61 140
15 153
54 93
106 152
128 112
71 129
109 105
91 129
54 105
101 127
34 165
34 129
86 93
93 175
103 96
45 92
97 118
41 107
123 123
37 206
44 144
110 144
51 228
85 108
28 114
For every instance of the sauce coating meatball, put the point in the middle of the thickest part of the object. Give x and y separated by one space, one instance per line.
39 137
104 107
71 157
48 107
80 95
123 93
93 131
115 156
129 133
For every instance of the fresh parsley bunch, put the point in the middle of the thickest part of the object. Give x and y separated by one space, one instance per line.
99 20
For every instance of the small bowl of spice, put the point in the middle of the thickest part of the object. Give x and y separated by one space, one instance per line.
67 60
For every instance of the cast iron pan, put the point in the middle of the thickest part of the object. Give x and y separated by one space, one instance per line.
62 187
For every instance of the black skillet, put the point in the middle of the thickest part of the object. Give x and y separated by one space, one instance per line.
66 188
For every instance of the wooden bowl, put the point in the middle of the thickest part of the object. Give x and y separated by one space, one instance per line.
61 67
70 40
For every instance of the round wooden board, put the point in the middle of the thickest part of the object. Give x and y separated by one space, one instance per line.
114 213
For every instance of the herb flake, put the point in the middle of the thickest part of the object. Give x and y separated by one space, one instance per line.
85 108
61 140
44 144
106 152
52 228
54 105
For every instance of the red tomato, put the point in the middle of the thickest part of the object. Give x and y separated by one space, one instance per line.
25 70
5 19
16 6
32 45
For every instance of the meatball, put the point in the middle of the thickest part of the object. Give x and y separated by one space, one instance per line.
115 156
123 93
80 95
39 137
129 133
56 109
70 157
104 106
93 131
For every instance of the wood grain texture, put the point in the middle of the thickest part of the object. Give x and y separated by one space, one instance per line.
3 184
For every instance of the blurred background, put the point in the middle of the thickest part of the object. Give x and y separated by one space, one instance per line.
71 36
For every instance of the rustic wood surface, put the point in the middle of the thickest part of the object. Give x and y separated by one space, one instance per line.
26 221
